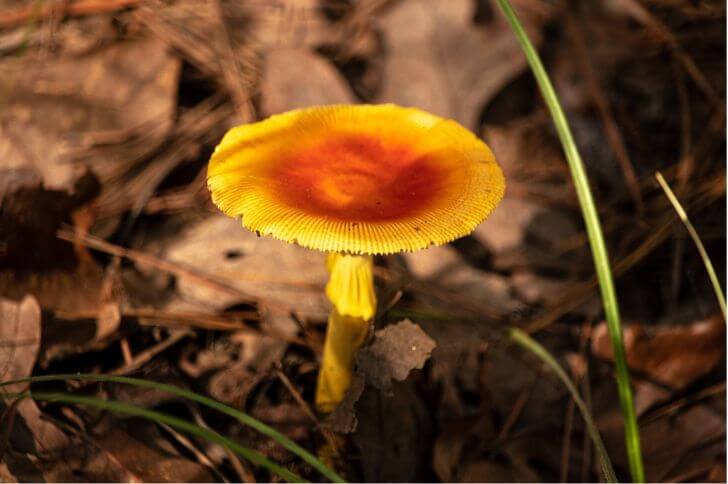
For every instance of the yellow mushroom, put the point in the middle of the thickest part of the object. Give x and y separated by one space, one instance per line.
354 181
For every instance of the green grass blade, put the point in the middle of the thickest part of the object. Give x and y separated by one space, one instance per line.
241 417
596 241
696 239
524 340
159 417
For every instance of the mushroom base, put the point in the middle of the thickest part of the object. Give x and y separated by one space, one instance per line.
344 336
351 291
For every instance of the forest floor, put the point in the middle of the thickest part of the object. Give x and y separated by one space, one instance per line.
114 261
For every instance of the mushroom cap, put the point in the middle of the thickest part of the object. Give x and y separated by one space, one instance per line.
360 179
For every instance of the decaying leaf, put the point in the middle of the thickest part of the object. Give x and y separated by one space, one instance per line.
438 60
674 356
390 357
20 336
64 105
255 354
273 271
121 456
395 351
297 78
455 276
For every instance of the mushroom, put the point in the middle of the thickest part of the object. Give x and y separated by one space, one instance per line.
354 181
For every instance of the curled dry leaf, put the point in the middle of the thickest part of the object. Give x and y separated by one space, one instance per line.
395 351
20 334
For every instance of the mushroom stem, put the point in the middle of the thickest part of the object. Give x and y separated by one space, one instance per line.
351 292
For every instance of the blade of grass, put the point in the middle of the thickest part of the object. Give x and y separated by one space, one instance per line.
241 417
159 417
596 242
696 239
524 340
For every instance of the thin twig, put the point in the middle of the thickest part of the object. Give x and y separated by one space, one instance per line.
328 435
145 356
150 260
639 13
79 8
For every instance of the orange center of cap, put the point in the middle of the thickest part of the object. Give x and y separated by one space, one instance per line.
358 178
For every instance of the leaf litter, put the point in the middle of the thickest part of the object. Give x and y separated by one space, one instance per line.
109 116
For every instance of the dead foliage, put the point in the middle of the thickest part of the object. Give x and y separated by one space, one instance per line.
113 260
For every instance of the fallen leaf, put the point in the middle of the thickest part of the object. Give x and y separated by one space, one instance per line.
255 354
391 355
395 351
693 438
534 289
297 78
283 275
149 460
6 475
440 61
673 355
63 105
20 334
443 266
122 94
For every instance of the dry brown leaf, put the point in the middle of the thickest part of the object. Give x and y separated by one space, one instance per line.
694 438
255 356
439 60
534 289
675 356
297 78
6 475
395 351
667 356
122 94
20 334
64 105
122 457
445 267
284 275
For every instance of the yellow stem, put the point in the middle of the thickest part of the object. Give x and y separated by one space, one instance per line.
351 291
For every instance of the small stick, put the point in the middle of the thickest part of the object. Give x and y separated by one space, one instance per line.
149 353
187 443
33 12
518 407
126 351
161 264
330 439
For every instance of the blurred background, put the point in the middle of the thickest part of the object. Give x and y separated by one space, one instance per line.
113 259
